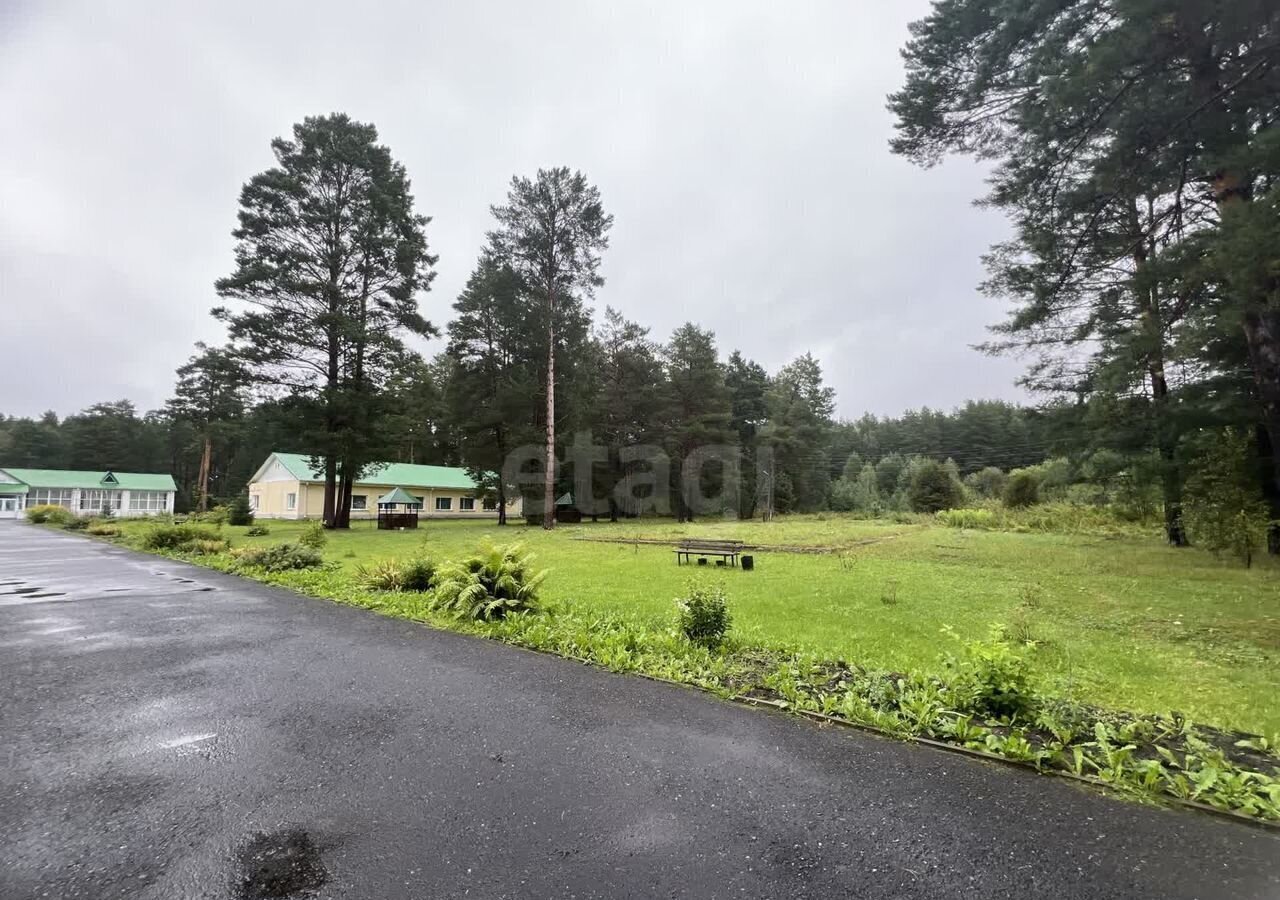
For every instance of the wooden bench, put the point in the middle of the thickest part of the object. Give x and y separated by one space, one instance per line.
728 551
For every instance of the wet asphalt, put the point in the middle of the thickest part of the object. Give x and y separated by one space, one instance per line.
170 732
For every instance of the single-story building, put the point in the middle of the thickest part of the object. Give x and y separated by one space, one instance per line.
286 487
85 493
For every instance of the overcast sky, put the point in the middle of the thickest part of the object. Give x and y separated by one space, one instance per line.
741 147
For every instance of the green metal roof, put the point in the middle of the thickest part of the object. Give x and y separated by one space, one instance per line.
12 487
64 478
388 475
401 496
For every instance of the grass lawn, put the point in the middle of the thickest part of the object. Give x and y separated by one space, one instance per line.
1126 623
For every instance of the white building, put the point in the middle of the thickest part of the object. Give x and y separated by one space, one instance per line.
85 493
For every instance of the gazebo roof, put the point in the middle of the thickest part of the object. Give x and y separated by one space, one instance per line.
398 496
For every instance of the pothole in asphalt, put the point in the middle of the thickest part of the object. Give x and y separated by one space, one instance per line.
280 864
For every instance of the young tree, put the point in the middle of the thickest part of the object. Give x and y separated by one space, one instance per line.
1224 510
330 260
551 233
211 395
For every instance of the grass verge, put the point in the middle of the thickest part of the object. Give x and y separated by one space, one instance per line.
978 695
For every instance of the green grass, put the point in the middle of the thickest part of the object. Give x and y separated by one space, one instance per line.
1123 622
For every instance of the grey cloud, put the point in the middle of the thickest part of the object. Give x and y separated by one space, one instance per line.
740 146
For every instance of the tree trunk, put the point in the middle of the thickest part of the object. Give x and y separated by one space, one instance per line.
342 515
549 475
203 478
1270 482
330 490
1262 334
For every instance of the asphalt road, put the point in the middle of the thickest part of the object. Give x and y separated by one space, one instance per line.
170 732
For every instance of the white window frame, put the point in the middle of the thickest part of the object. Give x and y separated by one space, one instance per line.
291 501
363 505
466 504
94 499
253 501
444 504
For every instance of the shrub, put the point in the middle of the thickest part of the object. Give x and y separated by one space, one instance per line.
102 529
106 512
74 523
933 488
172 537
417 575
1022 490
988 483
48 512
380 576
704 616
489 585
218 515
257 531
990 677
204 547
278 557
1224 510
239 512
968 518
313 536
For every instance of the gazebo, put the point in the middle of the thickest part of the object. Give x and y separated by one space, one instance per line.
398 509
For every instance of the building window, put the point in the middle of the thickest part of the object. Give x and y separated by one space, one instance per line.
444 504
54 496
290 501
359 502
148 501
253 501
96 500
490 504
466 504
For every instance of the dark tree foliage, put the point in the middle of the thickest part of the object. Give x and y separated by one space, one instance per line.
1137 153
697 409
934 488
330 260
493 387
211 398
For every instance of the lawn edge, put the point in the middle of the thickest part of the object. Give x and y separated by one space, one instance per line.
1161 799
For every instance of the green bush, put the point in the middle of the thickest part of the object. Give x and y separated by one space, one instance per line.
257 531
704 616
1224 510
489 585
51 513
313 536
204 547
990 677
383 575
71 523
1022 490
984 519
172 537
417 575
239 512
278 557
102 529
933 488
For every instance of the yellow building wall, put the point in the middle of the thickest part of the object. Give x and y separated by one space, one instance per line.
272 501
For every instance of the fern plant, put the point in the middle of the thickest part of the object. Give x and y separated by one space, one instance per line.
489 585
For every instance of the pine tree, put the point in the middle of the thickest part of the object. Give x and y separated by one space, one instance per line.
551 233
330 260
